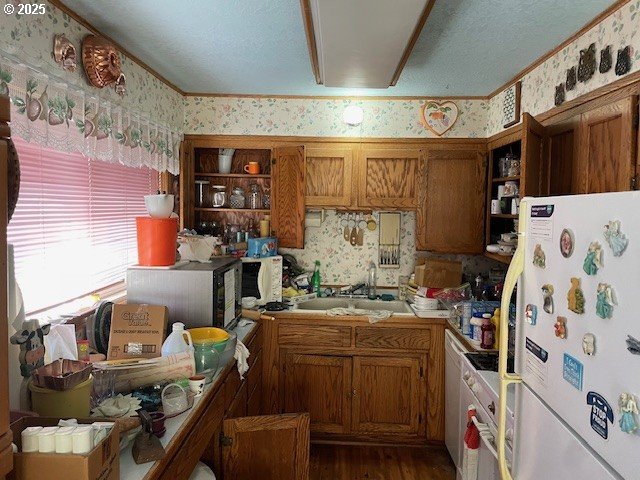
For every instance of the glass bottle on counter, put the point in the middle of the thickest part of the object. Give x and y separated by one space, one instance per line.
255 196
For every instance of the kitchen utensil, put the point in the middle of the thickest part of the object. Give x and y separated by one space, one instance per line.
361 226
252 168
160 205
218 196
200 192
147 447
371 223
353 236
347 231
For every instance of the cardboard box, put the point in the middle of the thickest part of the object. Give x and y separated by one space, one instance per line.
103 462
137 331
438 273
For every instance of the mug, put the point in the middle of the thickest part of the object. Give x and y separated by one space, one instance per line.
495 207
196 384
253 168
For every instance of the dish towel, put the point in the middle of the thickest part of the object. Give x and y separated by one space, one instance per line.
471 445
241 355
374 316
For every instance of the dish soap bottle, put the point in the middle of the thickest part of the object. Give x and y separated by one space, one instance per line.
315 279
495 321
175 342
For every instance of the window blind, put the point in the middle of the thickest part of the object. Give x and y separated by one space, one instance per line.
73 229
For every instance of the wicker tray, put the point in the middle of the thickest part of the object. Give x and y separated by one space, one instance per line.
61 375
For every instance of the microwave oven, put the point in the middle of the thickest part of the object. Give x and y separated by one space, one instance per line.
262 278
196 294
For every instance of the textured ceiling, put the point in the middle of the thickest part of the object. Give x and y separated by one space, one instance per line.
467 47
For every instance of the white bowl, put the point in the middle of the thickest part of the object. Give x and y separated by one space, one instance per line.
159 206
249 302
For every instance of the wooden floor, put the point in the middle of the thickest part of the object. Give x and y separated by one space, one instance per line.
348 462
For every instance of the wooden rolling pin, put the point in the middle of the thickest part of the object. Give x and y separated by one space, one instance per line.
256 315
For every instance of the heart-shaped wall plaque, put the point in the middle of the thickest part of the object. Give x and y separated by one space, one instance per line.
439 117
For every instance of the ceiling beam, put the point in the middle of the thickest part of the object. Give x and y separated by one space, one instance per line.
412 41
311 39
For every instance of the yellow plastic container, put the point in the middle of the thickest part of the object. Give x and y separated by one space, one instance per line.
75 402
208 335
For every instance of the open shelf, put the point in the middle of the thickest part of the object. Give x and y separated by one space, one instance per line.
231 175
503 215
506 259
237 210
506 179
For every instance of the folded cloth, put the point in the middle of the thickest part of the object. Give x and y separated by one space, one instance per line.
374 316
471 446
241 355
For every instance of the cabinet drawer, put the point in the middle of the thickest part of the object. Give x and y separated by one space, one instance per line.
238 407
320 335
409 338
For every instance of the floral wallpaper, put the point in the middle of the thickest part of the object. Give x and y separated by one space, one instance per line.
322 117
30 37
538 86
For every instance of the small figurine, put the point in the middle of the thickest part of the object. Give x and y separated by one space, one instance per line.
605 300
633 345
589 344
560 327
566 243
606 59
617 240
558 98
575 296
531 314
31 341
547 295
587 63
593 260
628 412
539 258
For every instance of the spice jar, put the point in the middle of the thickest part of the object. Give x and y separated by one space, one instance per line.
255 197
237 198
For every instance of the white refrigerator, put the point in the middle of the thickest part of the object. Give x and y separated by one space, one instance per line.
577 368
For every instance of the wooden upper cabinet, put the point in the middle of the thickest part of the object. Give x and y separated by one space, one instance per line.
388 395
287 196
450 218
389 177
271 447
606 160
533 135
320 385
328 174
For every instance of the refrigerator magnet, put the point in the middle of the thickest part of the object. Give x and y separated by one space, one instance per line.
589 344
567 242
601 414
593 260
575 296
628 412
617 240
560 327
573 371
539 258
633 345
531 314
605 300
547 296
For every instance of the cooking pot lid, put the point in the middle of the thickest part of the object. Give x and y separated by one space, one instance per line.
275 306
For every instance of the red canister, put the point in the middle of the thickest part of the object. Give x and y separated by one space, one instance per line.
157 241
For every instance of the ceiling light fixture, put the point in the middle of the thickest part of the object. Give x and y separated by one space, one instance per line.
353 115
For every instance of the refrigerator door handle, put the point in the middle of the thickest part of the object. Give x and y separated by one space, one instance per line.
515 270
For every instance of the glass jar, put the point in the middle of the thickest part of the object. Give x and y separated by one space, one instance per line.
237 198
266 198
514 165
255 197
218 196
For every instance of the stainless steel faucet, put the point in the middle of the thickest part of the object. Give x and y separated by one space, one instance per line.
372 279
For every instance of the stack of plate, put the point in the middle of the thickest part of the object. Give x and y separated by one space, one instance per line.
422 303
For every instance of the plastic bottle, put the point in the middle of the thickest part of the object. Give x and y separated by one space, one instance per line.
465 319
486 332
476 324
495 321
175 342
315 279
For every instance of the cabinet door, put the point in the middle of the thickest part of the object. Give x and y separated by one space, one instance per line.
388 395
186 185
531 157
287 196
451 216
271 447
320 385
389 178
607 149
328 173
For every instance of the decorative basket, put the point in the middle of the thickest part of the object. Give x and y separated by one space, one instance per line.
61 375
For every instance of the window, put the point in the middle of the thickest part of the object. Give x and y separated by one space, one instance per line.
74 229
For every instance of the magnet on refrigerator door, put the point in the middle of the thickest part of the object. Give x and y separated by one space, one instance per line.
560 327
539 258
547 296
575 296
628 412
605 300
567 242
601 414
572 371
633 345
589 344
593 260
617 240
531 314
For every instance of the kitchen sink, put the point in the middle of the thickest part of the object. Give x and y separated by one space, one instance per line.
321 304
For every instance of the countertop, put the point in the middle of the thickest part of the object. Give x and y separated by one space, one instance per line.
128 468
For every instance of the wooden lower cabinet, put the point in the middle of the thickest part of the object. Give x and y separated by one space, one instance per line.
320 385
388 395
